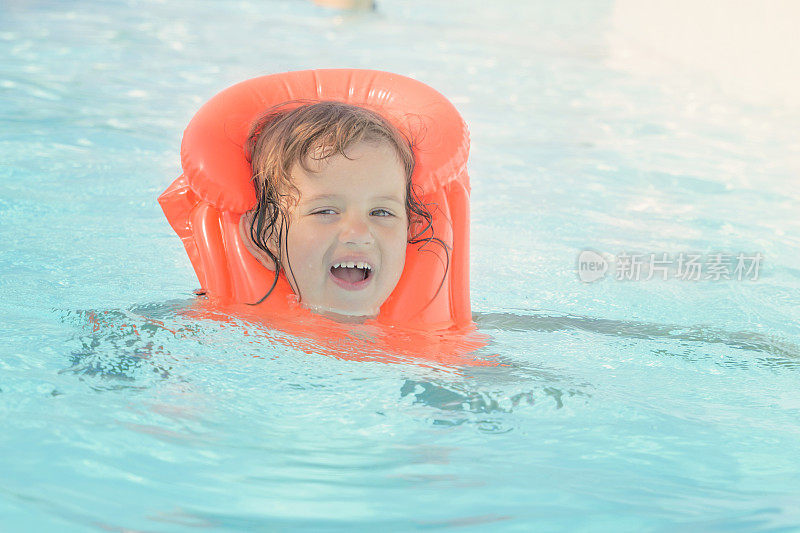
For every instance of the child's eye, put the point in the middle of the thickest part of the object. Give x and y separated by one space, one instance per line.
324 212
381 213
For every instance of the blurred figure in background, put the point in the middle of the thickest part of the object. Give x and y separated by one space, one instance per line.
351 5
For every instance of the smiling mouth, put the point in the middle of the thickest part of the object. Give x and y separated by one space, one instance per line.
351 273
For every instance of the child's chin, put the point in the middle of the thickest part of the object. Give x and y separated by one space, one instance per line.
348 316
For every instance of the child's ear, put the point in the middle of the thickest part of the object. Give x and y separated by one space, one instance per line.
245 223
273 246
273 243
413 227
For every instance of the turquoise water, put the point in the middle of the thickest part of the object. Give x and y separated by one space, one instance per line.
616 406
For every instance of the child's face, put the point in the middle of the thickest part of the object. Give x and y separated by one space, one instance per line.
346 242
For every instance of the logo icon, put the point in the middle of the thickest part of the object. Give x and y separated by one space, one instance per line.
591 266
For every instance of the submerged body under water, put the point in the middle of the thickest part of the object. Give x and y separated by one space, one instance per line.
619 404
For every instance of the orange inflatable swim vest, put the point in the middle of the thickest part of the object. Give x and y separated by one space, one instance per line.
204 204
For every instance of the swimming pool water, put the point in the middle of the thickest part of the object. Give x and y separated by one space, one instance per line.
608 406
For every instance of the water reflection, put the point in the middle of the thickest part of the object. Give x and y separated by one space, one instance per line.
741 340
124 349
146 345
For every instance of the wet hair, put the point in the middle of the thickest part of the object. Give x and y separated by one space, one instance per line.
298 132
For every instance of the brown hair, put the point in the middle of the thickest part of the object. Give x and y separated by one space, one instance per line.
298 131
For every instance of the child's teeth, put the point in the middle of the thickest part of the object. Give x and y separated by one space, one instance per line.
353 264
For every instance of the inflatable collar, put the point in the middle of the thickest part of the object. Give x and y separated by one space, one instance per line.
204 204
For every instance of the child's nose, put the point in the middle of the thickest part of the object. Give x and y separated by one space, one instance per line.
355 230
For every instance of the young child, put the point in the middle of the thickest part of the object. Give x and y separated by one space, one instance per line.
335 206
